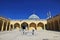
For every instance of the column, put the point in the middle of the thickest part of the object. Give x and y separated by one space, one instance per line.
2 25
6 26
9 27
44 27
36 26
20 26
28 26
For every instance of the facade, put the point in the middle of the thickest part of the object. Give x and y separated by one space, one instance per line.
53 23
32 22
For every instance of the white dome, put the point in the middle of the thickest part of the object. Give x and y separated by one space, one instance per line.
33 16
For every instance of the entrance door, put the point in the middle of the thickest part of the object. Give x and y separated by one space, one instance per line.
24 25
32 26
40 26
17 26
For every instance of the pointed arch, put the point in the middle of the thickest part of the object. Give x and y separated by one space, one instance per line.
33 25
16 25
11 26
40 24
24 24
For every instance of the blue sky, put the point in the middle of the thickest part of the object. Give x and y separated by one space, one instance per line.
22 9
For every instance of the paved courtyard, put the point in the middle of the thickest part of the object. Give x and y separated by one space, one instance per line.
39 35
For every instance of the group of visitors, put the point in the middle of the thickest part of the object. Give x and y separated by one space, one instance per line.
24 29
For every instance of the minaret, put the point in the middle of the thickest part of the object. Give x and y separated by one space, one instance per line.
49 15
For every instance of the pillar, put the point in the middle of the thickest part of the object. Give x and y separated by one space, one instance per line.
20 26
44 27
9 27
36 26
6 26
2 25
28 26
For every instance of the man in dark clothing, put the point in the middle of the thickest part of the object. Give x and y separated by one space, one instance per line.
23 28
33 32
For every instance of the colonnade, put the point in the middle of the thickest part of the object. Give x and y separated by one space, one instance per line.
34 25
6 26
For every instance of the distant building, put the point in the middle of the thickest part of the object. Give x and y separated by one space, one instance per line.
32 22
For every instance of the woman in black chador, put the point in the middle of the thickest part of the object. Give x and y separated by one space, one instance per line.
23 28
33 31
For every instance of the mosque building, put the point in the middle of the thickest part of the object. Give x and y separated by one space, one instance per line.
33 21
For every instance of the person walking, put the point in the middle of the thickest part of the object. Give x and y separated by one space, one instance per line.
23 28
33 31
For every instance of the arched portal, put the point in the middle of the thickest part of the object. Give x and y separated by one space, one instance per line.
11 26
40 26
33 25
24 25
16 26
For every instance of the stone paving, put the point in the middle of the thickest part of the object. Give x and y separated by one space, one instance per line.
39 35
